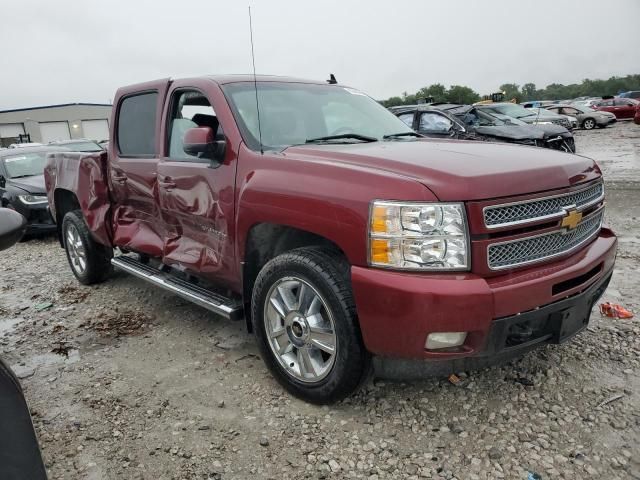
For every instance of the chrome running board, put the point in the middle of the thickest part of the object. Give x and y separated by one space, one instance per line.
214 302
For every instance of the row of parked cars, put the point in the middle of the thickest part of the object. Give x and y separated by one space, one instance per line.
623 107
502 121
22 182
543 124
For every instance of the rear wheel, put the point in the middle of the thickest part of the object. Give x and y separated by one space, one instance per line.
589 124
89 260
304 316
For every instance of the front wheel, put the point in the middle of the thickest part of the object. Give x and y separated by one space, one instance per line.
304 316
589 124
89 260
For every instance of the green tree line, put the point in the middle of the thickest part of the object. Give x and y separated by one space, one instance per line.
528 91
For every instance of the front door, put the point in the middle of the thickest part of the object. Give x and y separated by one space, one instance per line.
434 124
196 196
133 161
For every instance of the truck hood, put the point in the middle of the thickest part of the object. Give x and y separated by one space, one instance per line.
33 184
511 132
461 170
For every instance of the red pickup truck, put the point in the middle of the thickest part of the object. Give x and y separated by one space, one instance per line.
338 234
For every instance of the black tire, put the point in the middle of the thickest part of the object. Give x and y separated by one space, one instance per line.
589 123
97 256
329 274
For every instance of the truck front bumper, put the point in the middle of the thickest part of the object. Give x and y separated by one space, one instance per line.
501 315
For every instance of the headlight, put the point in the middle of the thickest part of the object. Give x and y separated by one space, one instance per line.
418 236
33 199
544 123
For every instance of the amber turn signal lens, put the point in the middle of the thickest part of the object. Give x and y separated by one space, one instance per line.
379 250
379 219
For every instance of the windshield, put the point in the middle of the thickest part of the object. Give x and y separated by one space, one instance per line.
477 118
83 147
510 120
512 110
25 164
293 113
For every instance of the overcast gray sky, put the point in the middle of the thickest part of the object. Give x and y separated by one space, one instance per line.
82 50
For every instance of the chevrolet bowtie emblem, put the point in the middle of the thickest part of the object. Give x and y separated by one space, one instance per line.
571 220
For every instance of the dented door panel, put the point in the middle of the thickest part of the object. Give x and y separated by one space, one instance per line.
196 198
137 222
197 212
136 213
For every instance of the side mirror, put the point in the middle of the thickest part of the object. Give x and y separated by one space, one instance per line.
200 142
12 227
3 181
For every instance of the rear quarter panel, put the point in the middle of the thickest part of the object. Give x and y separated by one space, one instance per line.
85 176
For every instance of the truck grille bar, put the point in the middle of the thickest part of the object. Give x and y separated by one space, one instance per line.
545 208
516 253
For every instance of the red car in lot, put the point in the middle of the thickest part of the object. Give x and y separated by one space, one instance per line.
636 118
621 107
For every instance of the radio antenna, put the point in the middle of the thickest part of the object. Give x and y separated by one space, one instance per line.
255 82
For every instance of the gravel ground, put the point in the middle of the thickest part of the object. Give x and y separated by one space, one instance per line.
125 381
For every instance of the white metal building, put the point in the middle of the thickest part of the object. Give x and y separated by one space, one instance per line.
55 122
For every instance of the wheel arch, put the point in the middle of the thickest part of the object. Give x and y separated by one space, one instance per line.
268 240
64 201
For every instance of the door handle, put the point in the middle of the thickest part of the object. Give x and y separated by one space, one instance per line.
167 183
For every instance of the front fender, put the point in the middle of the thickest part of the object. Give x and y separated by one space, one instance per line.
329 199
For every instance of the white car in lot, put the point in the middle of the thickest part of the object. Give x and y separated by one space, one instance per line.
587 117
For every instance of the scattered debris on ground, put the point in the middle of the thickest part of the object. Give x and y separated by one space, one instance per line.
117 324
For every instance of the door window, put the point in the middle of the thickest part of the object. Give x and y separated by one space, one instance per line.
434 123
622 102
606 103
407 118
190 109
137 125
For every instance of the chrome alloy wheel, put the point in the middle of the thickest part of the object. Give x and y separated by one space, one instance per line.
300 329
76 250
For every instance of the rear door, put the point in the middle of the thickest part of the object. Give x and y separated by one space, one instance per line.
196 196
133 162
624 107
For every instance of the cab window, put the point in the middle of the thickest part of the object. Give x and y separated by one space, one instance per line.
137 125
190 109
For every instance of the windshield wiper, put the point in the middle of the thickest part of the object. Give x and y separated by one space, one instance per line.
355 136
23 176
402 134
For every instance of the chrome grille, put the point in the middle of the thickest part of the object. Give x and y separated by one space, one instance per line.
542 247
522 212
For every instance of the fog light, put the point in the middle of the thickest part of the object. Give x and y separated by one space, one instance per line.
445 340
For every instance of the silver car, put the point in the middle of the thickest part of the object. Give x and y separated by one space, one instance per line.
588 118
